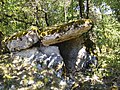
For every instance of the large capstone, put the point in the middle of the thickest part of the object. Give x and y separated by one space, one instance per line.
48 35
66 31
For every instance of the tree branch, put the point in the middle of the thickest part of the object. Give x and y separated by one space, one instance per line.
46 16
46 19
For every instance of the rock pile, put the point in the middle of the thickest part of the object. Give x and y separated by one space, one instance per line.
36 68
42 67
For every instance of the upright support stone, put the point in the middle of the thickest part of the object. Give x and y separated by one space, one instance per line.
69 51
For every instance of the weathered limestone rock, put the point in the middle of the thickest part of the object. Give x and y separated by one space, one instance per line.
44 64
48 35
53 35
34 68
50 55
49 50
66 31
27 53
76 56
85 61
69 51
22 42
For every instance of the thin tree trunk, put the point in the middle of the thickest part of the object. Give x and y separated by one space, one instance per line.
72 7
65 11
81 8
87 9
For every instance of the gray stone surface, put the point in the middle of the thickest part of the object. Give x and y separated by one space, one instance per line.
50 55
69 51
82 56
69 32
42 64
27 53
23 42
49 35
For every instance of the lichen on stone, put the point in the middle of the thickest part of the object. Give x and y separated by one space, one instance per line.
48 35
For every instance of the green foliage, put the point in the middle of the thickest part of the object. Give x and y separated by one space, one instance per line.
18 15
18 74
107 32
114 5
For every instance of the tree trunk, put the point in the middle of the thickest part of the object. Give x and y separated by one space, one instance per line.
87 8
81 8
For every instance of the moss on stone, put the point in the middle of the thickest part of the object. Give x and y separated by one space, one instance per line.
48 30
